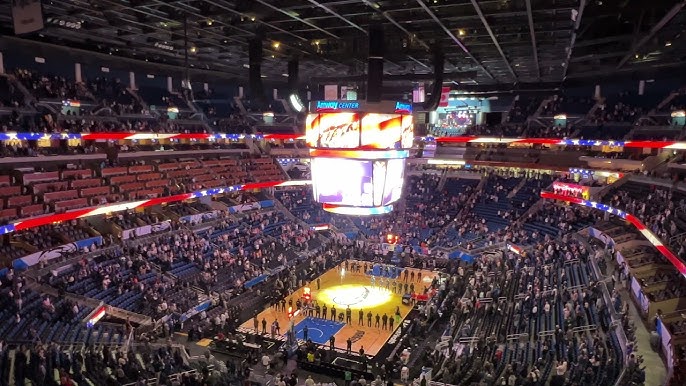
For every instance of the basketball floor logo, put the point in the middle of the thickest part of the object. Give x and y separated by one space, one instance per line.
354 296
351 299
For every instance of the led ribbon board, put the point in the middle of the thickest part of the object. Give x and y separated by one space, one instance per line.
337 106
118 207
650 236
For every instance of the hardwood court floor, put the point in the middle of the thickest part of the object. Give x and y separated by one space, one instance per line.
354 289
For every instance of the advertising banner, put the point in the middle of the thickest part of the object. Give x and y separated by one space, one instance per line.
574 190
196 310
251 206
199 218
55 252
146 230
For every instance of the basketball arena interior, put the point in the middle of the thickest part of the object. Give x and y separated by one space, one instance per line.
343 192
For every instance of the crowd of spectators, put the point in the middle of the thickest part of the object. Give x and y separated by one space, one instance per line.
556 328
661 209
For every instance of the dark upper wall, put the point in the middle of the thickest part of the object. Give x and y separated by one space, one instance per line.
19 53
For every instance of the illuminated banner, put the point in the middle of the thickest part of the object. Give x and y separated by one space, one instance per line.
97 315
571 189
515 249
146 230
360 154
445 97
357 211
326 106
403 108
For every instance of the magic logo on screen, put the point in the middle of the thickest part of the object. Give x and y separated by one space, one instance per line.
337 105
402 107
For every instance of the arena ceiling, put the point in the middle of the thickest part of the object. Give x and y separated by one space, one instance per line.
492 41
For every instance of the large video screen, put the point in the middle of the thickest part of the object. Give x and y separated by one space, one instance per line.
333 130
408 131
350 130
393 187
381 131
341 181
351 182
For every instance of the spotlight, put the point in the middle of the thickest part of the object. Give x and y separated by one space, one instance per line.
296 103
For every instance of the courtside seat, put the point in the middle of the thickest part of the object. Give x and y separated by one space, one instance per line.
5 181
115 171
118 180
31 210
32 178
147 193
168 166
8 214
75 203
159 183
85 183
19 201
9 191
76 174
140 169
49 186
149 176
95 191
60 196
131 186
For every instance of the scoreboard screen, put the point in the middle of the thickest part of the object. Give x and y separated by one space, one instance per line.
354 182
349 130
358 151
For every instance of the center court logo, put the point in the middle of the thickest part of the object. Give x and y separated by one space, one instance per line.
351 301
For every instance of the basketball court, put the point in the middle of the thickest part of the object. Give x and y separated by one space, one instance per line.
340 288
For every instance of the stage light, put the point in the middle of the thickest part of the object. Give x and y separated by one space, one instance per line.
296 103
355 296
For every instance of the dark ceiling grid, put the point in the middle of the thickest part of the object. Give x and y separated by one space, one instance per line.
502 40
477 8
656 28
570 48
532 32
454 38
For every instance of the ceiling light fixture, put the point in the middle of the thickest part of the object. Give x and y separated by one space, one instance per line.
164 46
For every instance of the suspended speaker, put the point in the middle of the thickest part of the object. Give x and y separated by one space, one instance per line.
293 74
431 104
375 63
255 72
293 82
